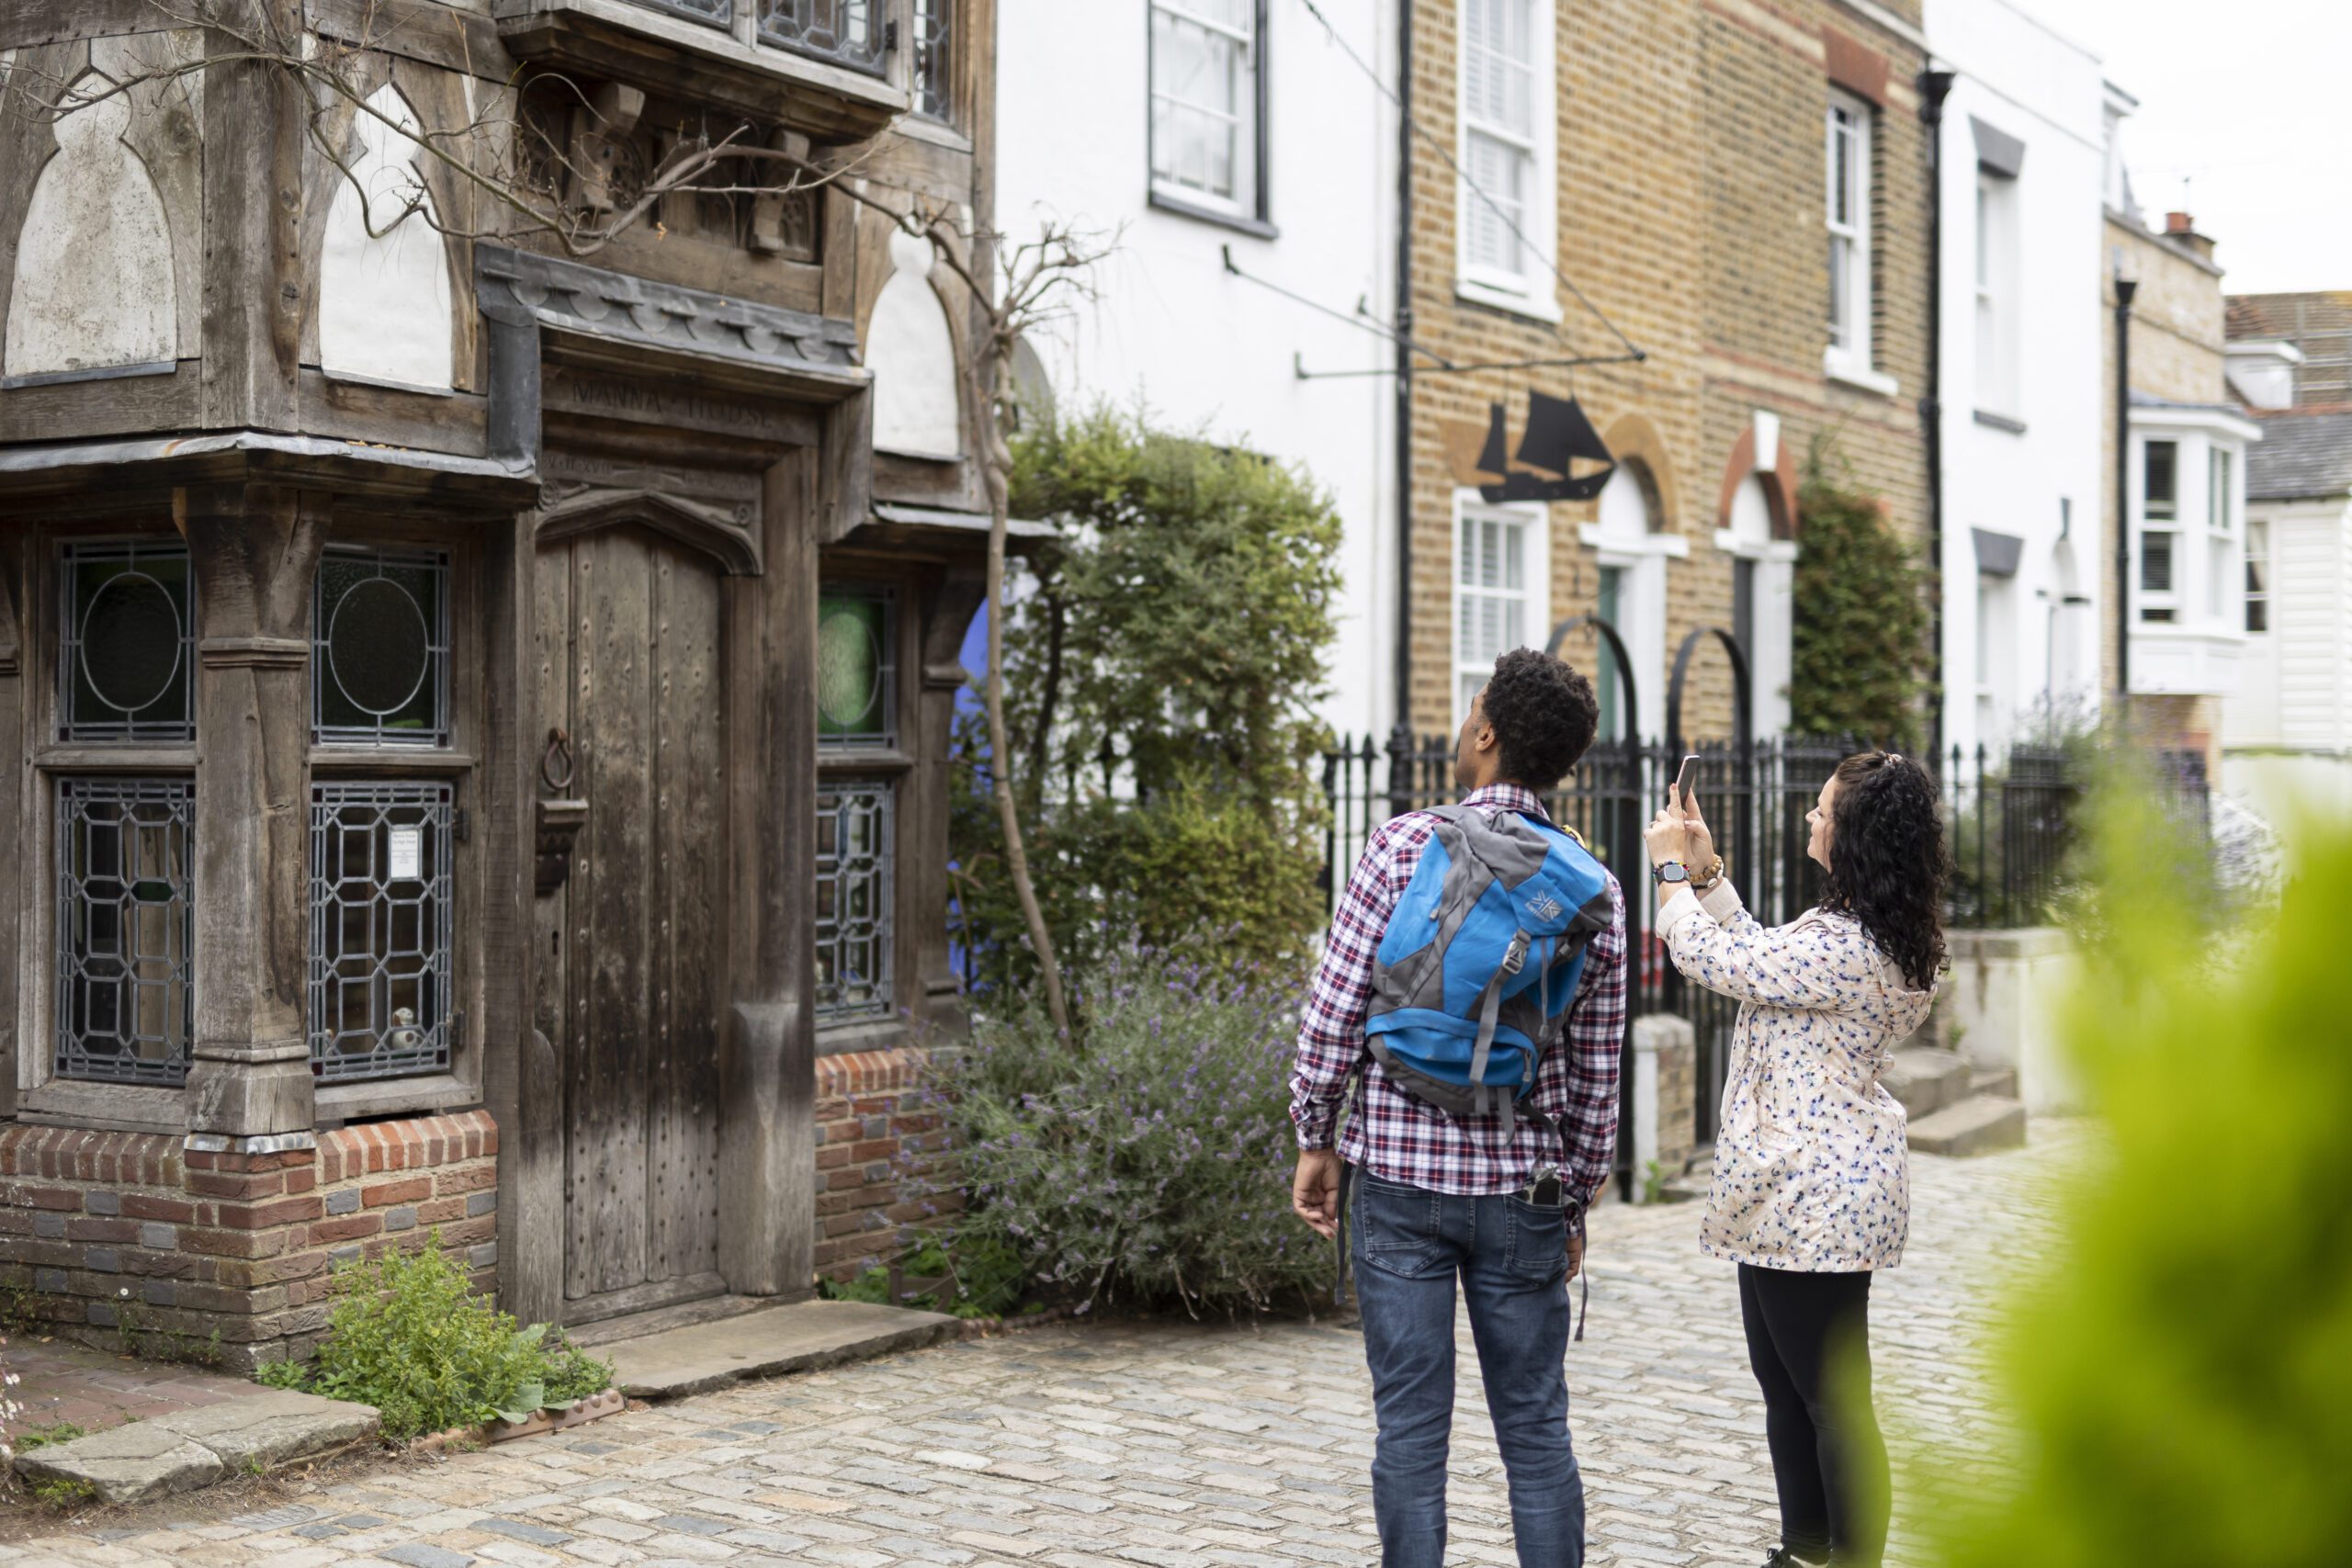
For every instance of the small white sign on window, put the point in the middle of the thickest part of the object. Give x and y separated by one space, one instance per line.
406 856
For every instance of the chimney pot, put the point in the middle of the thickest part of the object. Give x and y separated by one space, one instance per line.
2178 223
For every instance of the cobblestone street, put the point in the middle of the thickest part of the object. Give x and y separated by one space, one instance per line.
1171 1446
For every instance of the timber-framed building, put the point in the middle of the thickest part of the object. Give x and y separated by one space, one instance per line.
473 719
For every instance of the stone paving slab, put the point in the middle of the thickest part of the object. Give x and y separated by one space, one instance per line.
182 1451
95 1389
799 1337
1173 1445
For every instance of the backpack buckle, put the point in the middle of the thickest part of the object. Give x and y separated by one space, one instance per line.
1515 955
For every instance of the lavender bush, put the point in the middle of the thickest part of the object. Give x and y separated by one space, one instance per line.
1152 1163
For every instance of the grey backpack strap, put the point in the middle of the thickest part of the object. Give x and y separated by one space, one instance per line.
1489 1005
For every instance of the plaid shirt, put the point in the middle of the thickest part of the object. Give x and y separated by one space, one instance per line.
1399 1138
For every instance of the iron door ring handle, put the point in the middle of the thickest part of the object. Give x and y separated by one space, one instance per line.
559 745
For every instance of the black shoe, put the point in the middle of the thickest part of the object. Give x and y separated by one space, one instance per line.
1783 1558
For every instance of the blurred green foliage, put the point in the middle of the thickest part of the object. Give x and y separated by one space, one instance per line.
1182 615
2181 1377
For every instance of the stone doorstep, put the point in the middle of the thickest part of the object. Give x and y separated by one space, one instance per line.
1977 1125
766 1343
1925 1079
192 1449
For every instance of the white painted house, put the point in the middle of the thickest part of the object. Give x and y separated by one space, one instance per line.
1193 128
2024 166
2286 733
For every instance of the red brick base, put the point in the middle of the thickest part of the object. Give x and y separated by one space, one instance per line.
880 1148
114 1235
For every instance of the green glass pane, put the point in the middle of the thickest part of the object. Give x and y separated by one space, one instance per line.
849 666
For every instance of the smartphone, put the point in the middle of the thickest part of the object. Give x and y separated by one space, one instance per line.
1685 781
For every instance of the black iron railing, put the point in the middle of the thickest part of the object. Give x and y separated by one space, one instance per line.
2009 817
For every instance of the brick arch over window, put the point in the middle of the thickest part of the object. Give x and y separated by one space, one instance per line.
1637 443
1780 485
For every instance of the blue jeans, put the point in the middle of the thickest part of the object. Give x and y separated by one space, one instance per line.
1407 1246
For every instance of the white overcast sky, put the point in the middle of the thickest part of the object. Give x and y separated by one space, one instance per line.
2246 100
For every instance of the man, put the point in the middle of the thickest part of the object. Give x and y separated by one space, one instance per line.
1437 1194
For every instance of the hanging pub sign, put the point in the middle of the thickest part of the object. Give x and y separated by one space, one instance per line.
1561 455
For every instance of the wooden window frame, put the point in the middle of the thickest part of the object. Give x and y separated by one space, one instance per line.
456 765
1528 291
896 765
1851 347
1533 521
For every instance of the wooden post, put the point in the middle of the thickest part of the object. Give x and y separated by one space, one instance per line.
253 122
12 714
947 612
255 551
768 1044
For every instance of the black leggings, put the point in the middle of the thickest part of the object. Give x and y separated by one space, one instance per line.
1807 1336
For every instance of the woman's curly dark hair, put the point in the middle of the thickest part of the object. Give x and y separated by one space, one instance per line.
1543 716
1887 860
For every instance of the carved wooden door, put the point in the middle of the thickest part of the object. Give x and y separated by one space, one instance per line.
632 946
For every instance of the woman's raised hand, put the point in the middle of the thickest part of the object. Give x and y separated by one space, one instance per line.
1666 838
1698 838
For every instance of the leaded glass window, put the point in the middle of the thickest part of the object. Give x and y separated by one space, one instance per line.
379 929
125 929
857 672
846 32
854 920
934 59
380 667
127 655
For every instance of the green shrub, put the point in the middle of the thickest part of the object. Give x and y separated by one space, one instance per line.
1184 616
409 1336
2182 1378
987 1277
1154 1165
1860 661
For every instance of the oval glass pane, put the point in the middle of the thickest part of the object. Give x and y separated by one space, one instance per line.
379 647
131 642
848 670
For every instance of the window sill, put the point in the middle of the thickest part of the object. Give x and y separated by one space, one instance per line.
1992 421
387 1096
861 762
872 1033
1512 301
114 1107
938 132
1862 378
1180 207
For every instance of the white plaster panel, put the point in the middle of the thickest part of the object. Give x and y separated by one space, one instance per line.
385 313
912 351
95 282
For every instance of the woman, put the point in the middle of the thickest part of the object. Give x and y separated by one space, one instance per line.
1810 1193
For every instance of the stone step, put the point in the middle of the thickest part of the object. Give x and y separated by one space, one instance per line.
703 1356
1926 1079
1977 1125
2000 1082
191 1449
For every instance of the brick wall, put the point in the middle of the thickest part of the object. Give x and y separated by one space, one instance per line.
1691 197
108 1233
880 1145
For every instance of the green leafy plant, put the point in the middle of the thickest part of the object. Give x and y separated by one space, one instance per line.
2181 1377
63 1493
1154 1165
47 1437
409 1336
1184 617
986 1277
1860 663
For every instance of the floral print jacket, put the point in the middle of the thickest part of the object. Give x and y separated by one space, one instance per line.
1810 1173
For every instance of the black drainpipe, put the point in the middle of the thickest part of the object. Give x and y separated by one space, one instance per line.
1933 86
1400 737
2124 289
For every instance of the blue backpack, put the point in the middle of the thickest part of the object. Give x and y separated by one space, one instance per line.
1481 959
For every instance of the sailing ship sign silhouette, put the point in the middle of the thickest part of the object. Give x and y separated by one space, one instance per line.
1561 457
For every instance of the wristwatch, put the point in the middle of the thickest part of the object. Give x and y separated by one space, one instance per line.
1672 871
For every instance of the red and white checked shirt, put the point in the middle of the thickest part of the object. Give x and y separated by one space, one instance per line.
1398 1138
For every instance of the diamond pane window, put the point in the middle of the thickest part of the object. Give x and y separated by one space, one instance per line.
125 929
717 13
128 650
934 95
379 929
857 676
846 32
853 921
380 667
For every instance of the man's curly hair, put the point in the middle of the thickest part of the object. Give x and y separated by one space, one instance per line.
1543 716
